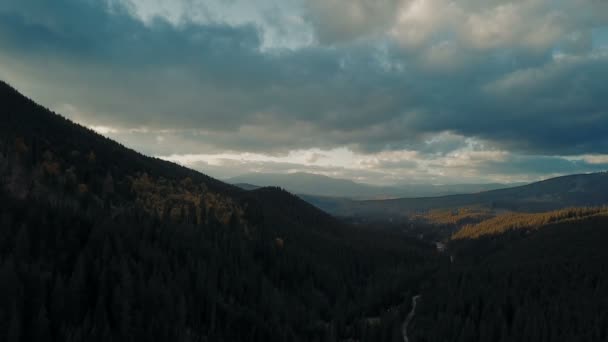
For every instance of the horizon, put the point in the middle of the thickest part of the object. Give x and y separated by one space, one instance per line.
288 173
383 93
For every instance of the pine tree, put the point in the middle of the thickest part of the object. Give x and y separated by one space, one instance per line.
14 326
41 330
22 244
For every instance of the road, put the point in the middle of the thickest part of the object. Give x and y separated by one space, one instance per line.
409 317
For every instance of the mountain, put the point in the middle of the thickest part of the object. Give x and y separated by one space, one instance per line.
99 243
550 194
455 189
312 184
324 186
247 186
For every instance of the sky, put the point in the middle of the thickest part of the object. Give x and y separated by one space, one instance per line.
377 91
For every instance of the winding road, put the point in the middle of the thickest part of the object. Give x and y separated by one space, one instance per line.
409 317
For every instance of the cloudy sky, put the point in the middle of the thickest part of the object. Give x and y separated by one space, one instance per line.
379 91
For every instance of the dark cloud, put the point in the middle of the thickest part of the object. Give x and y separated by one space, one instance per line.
210 87
556 108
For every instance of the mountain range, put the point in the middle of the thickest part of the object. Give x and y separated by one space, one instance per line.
555 193
319 185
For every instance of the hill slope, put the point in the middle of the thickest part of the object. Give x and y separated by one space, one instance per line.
525 222
99 242
548 284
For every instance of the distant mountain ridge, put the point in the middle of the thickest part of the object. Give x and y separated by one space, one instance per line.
551 194
247 186
319 185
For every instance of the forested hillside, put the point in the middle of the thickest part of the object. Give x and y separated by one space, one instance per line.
100 243
525 222
544 283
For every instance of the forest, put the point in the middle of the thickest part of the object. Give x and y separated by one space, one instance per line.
101 243
535 284
526 221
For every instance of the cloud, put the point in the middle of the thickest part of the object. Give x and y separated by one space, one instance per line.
465 165
336 21
596 159
430 77
541 166
281 24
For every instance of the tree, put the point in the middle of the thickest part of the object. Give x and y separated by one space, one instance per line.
14 325
41 331
22 244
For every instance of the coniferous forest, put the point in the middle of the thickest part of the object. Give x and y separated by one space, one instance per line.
541 284
101 243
